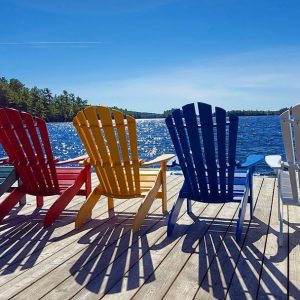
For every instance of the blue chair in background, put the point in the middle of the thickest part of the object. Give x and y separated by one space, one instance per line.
205 146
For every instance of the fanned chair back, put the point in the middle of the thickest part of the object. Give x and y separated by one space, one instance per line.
290 128
111 143
26 141
206 149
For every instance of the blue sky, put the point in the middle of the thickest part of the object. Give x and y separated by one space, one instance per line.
159 54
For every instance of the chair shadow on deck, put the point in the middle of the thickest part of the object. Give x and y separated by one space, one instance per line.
217 272
23 238
112 247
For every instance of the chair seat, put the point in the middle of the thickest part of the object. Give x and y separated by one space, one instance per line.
239 189
286 190
66 177
147 178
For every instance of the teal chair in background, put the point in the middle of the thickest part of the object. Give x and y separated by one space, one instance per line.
8 177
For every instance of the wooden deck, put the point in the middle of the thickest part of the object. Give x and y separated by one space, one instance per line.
105 260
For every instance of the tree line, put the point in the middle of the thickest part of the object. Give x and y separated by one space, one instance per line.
40 102
258 112
63 107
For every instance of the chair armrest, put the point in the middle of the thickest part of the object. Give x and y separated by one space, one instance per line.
251 161
4 160
158 160
173 162
273 161
289 165
72 160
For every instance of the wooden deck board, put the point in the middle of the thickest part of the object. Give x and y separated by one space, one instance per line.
196 270
201 260
54 266
247 270
274 276
293 240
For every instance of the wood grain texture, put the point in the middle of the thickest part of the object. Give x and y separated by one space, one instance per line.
105 260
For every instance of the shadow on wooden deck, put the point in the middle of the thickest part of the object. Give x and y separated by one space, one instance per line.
105 259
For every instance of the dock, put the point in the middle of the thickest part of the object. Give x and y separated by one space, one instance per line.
105 260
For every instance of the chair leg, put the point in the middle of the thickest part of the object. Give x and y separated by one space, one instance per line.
164 187
189 206
86 209
251 208
39 201
88 181
9 202
241 216
174 215
22 202
250 199
145 206
280 217
110 203
64 199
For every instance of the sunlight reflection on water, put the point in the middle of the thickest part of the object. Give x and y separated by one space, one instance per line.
260 135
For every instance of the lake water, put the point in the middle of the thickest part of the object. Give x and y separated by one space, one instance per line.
257 135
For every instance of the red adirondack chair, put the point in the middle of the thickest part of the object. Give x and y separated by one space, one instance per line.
26 141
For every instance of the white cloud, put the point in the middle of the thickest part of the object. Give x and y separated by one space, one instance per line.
51 44
252 80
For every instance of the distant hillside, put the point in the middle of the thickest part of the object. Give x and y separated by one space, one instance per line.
40 102
139 115
62 108
258 112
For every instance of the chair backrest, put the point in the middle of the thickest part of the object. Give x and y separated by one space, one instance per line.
290 128
111 143
25 140
206 148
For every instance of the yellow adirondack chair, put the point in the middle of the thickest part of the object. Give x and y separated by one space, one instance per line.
111 144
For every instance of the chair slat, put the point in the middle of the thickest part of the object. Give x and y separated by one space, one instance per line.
206 155
98 149
113 154
286 129
296 125
221 142
14 149
232 136
185 147
45 143
206 121
111 141
190 117
120 125
134 152
47 177
178 149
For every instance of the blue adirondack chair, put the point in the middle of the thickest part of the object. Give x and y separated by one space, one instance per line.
205 146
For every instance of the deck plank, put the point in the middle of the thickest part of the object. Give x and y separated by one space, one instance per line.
248 268
218 277
168 270
105 260
53 270
274 276
293 218
12 263
110 255
186 284
113 261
